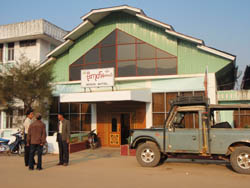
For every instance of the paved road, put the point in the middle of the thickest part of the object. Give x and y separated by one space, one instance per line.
106 168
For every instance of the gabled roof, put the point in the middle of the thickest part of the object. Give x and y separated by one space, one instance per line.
96 15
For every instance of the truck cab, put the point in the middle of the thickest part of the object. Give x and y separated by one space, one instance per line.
185 137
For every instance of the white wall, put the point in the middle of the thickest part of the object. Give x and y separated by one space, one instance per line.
44 49
212 88
31 52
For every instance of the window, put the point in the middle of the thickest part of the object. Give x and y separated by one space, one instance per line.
145 51
26 43
108 54
126 52
79 115
126 68
9 119
1 52
13 118
114 125
161 108
230 118
11 51
189 119
128 55
92 56
241 118
146 67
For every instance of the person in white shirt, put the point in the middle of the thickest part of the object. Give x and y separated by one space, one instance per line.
26 124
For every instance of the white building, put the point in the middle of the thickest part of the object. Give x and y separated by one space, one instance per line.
31 39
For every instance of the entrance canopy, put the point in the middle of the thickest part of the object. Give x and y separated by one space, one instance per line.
132 95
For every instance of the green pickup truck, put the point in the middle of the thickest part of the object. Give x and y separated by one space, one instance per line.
199 135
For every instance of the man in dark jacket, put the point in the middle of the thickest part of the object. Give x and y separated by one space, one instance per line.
63 136
36 139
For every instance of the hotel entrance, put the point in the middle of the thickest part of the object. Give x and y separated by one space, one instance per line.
114 120
119 129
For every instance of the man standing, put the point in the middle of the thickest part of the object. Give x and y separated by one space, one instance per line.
63 136
26 124
36 138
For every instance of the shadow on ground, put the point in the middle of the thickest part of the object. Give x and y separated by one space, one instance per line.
84 156
197 161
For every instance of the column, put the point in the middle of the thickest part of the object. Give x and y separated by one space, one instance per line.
212 88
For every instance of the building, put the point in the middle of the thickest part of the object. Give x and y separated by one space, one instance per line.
32 40
148 62
245 84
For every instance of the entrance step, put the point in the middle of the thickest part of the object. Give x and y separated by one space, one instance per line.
125 151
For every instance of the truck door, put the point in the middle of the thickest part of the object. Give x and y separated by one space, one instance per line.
184 137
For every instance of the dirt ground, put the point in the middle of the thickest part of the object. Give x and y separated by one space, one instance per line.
106 168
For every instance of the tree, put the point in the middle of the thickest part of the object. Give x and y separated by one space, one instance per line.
25 82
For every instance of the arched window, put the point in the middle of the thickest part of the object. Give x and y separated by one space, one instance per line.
128 55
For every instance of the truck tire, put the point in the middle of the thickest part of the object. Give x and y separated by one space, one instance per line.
148 154
240 160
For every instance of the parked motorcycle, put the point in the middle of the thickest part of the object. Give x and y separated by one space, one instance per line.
93 140
16 147
45 148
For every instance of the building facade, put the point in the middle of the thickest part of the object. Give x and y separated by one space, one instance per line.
151 63
31 40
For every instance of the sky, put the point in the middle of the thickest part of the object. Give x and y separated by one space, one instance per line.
222 24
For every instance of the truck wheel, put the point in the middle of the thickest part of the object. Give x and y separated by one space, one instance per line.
163 158
240 160
148 155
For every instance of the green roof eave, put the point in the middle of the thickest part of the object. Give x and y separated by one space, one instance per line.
84 27
61 48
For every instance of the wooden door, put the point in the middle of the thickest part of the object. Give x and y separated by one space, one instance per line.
115 130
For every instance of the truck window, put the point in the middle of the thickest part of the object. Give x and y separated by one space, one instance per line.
222 119
186 120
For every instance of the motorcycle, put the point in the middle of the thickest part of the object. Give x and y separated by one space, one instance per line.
16 147
93 140
45 148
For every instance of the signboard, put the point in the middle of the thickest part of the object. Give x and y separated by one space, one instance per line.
97 77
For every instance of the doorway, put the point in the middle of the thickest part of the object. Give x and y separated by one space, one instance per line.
126 115
125 127
119 129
